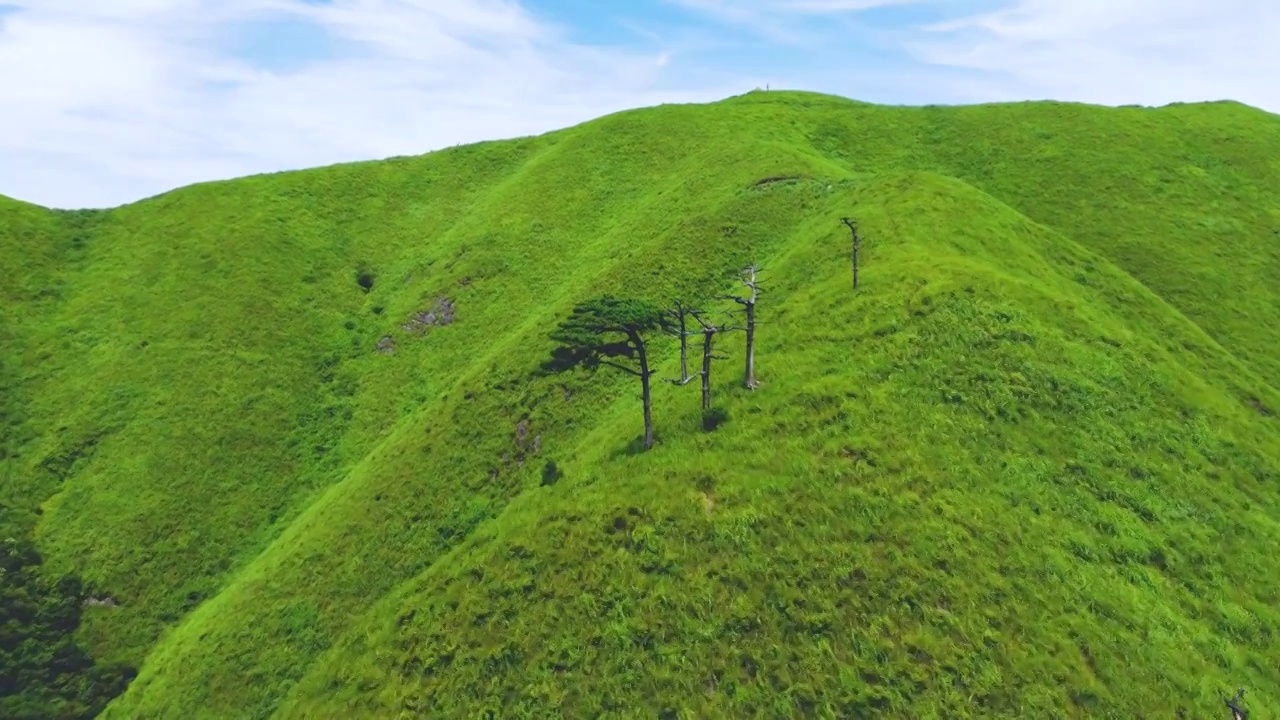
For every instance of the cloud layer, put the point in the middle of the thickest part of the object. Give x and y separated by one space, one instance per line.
106 103
1115 52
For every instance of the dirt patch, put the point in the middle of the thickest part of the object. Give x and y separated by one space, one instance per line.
856 455
386 345
1262 409
439 315
775 179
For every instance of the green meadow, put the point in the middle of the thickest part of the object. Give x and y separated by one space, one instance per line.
1029 468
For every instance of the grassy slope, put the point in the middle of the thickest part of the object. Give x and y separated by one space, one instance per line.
29 262
1005 471
908 531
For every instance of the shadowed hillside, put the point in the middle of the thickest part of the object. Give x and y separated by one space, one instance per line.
295 427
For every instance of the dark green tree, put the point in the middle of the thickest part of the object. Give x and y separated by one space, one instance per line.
43 672
610 331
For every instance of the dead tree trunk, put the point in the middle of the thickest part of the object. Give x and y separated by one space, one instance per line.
680 329
709 331
708 337
857 245
645 394
684 348
749 302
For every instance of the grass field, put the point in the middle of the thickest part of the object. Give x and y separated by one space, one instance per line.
1031 466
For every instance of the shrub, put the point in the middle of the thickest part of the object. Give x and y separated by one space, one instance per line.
551 473
714 418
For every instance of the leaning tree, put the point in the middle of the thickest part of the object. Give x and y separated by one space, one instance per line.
610 331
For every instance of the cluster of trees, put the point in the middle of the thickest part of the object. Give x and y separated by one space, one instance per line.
611 331
44 673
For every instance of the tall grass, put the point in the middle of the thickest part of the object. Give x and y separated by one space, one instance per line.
1030 466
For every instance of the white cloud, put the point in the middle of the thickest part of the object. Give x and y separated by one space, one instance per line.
1117 51
784 21
107 102
839 6
104 103
1110 52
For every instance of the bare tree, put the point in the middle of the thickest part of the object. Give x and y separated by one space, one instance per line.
709 331
749 302
857 245
675 322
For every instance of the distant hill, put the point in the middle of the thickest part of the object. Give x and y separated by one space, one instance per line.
1031 466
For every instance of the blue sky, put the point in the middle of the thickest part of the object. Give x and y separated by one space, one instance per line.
103 103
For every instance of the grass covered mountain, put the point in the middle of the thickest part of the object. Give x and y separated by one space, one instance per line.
293 435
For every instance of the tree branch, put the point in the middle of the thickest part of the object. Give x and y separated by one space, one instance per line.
623 368
705 324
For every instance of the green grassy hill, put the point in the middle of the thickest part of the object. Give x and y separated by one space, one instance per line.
1032 465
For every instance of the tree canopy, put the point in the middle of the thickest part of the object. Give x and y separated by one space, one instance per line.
605 328
602 329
